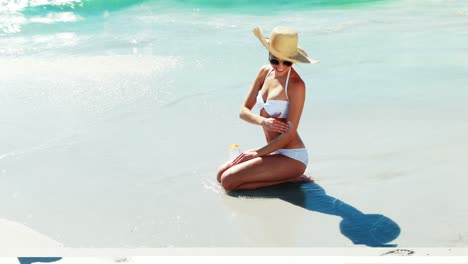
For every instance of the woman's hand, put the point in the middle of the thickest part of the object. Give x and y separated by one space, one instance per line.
244 156
275 125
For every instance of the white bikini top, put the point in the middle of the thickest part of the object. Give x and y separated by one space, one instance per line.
273 107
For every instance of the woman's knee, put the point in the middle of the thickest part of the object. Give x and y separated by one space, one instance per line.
228 185
228 180
220 174
221 170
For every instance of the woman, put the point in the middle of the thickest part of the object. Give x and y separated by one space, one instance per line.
279 92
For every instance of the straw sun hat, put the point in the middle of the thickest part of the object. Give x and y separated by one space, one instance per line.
283 44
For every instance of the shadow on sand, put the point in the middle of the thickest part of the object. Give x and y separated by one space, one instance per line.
373 230
30 260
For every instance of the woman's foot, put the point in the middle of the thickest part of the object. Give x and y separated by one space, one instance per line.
303 178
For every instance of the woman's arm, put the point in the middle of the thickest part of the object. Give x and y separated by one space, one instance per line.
246 113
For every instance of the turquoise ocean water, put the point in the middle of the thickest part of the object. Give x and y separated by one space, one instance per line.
121 111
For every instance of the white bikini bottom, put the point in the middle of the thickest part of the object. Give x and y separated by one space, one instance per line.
299 154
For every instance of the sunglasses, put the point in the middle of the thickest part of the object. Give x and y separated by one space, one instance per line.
277 62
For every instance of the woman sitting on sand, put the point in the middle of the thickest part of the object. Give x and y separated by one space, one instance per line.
279 92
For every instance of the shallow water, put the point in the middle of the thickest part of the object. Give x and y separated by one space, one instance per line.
114 116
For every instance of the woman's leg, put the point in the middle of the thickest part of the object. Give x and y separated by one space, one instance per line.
222 169
226 166
261 172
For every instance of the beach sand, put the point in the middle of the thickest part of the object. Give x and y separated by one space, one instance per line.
15 235
396 168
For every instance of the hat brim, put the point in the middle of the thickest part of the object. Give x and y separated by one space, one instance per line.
300 57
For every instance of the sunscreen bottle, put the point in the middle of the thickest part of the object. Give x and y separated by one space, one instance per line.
234 151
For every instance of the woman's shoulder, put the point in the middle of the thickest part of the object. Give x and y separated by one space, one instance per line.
296 81
265 69
296 87
262 73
